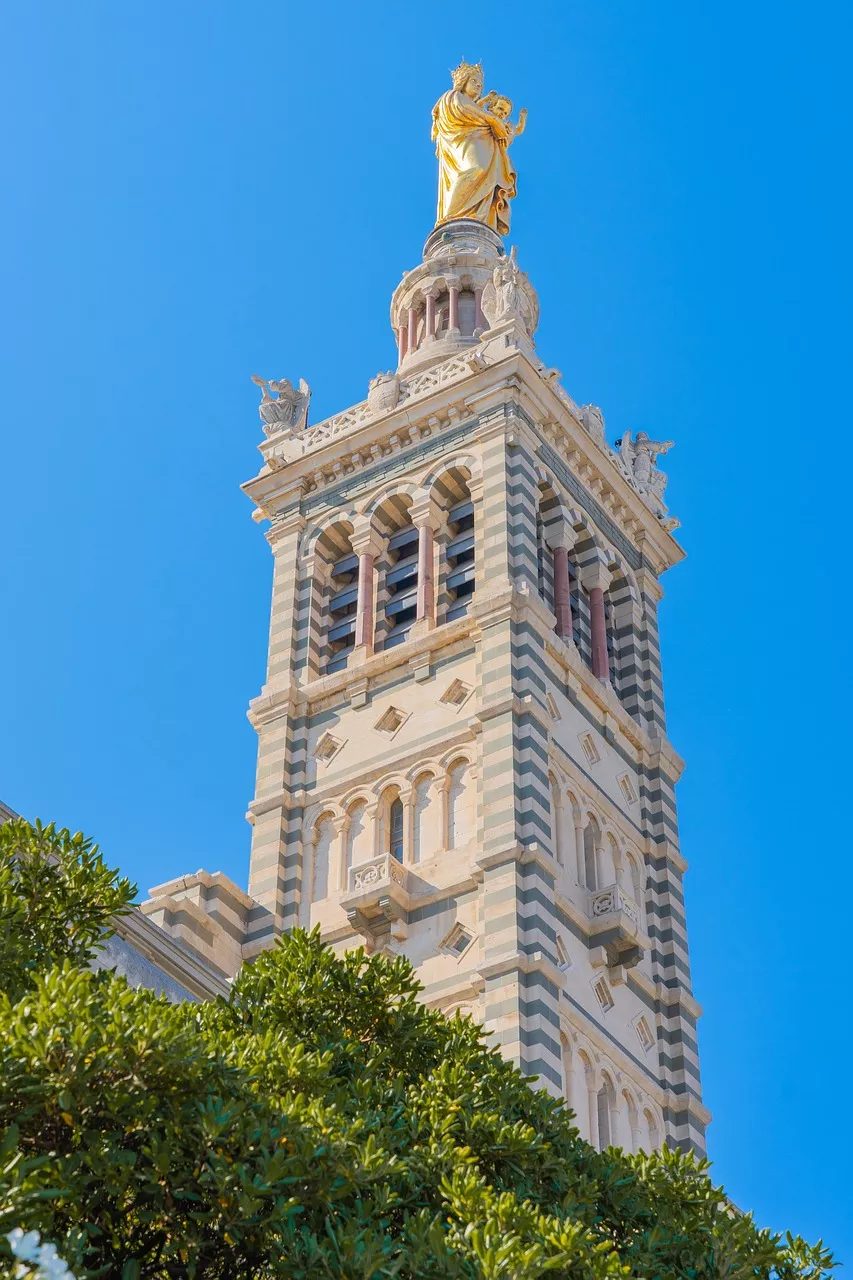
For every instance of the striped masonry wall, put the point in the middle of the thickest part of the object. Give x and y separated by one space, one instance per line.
520 916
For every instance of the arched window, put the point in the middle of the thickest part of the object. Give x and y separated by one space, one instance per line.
605 1108
590 849
583 1086
467 313
461 574
395 829
460 806
401 585
607 856
651 1131
548 517
427 820
336 596
359 842
391 824
557 840
323 837
568 1069
582 553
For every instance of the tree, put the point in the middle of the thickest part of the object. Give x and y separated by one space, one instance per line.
320 1122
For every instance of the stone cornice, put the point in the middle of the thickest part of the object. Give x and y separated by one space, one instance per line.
550 420
173 958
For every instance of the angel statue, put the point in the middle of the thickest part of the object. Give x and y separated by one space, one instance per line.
289 410
504 297
639 456
472 134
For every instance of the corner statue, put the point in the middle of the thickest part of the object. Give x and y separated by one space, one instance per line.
472 134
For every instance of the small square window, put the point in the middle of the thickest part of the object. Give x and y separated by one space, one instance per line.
589 748
327 748
644 1034
602 994
390 721
457 941
629 791
456 693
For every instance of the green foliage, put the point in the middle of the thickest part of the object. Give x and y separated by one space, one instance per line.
57 897
321 1122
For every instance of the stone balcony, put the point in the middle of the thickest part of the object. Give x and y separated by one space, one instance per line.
377 897
616 926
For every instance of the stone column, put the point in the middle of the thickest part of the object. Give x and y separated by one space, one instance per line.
402 342
429 321
579 852
562 593
596 579
443 789
592 1102
453 317
425 518
366 544
413 329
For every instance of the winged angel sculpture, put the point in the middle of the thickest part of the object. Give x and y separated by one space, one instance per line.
288 409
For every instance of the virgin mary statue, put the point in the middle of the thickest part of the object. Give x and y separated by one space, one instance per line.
475 177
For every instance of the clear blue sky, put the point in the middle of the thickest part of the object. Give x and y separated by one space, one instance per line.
197 192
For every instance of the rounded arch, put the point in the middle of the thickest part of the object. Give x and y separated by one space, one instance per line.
426 813
652 1128
333 807
333 568
461 808
400 489
591 840
629 1104
360 792
360 839
317 863
465 752
467 465
431 766
324 531
632 873
390 820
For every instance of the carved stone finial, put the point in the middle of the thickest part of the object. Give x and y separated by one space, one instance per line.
593 421
288 411
383 393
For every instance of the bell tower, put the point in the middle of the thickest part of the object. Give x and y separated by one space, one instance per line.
462 742
462 747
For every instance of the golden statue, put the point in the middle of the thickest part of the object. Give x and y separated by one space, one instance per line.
472 134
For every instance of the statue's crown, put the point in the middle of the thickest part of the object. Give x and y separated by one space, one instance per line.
463 71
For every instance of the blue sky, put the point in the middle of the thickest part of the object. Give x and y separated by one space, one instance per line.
194 193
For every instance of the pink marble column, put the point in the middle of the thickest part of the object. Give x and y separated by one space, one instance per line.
364 606
402 342
600 661
562 593
453 322
430 316
426 583
413 328
479 318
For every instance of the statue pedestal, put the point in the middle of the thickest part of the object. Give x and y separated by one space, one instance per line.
463 236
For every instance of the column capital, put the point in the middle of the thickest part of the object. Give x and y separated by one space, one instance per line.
560 535
424 509
366 540
596 575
